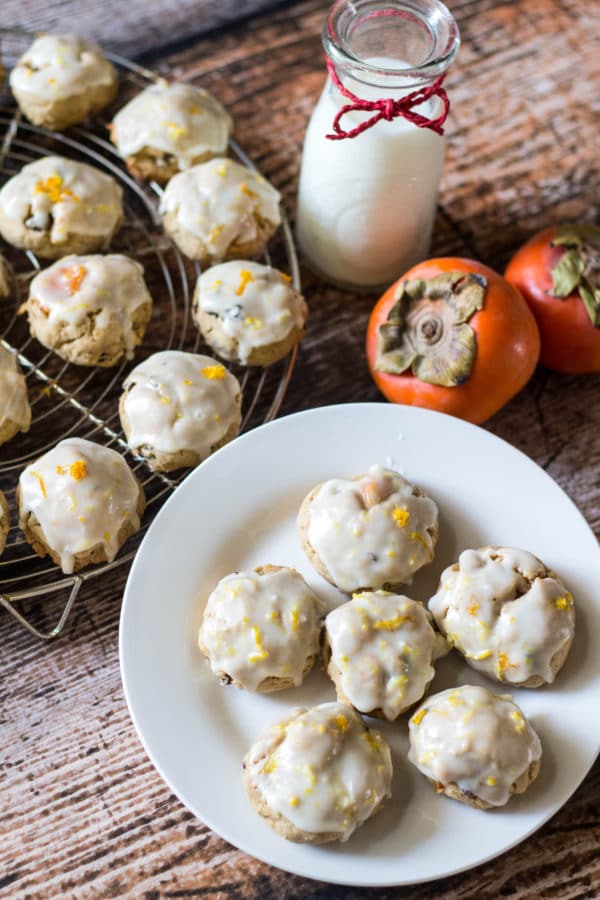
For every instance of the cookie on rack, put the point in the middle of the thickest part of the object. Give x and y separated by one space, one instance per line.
508 614
474 746
91 310
261 629
319 774
56 206
379 650
177 408
168 128
61 80
249 313
15 412
220 210
369 532
79 503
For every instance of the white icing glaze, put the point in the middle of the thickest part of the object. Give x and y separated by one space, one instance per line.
179 119
81 494
475 739
111 287
503 611
371 531
258 626
180 401
322 769
59 66
383 645
14 402
255 304
216 201
64 196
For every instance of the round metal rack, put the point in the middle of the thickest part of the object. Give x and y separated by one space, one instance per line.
74 400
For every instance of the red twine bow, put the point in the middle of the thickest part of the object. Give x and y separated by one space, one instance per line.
389 109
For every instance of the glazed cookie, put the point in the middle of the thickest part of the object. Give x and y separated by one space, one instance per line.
15 412
249 313
369 532
261 629
91 310
168 128
61 80
177 408
509 616
319 774
474 746
220 210
56 206
79 503
378 651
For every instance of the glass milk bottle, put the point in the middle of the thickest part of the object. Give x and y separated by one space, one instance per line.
367 199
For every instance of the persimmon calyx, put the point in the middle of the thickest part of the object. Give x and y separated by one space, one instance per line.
427 328
578 269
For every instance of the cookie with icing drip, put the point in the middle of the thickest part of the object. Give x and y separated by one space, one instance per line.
15 412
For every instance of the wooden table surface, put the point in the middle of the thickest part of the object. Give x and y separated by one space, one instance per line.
83 812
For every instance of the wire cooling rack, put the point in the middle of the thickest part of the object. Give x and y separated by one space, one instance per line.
74 400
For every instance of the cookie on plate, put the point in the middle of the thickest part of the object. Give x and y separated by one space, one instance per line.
507 613
474 746
249 313
379 650
56 206
369 532
79 503
15 412
168 128
220 210
261 629
177 408
319 774
61 80
91 310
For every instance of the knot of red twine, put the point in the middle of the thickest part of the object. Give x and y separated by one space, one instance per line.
389 109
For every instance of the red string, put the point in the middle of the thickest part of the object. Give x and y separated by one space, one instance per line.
389 109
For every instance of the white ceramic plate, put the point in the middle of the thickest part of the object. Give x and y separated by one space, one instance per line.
237 511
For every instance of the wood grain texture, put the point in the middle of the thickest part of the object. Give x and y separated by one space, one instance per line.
83 812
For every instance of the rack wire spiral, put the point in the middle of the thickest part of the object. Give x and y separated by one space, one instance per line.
73 400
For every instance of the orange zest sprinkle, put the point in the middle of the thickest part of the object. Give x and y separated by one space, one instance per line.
248 191
214 373
41 481
418 537
78 470
187 381
342 723
53 187
245 278
215 231
286 278
62 470
563 602
418 717
473 608
400 516
74 275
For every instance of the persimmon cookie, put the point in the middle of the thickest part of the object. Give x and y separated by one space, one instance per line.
474 746
168 128
220 210
79 503
379 650
510 616
177 408
56 206
15 412
319 774
61 80
261 629
372 531
249 313
91 310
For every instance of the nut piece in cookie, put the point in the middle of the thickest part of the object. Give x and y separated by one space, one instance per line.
261 629
177 408
91 310
510 616
319 774
56 206
220 210
474 746
369 532
15 412
79 503
168 128
379 651
249 313
61 80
